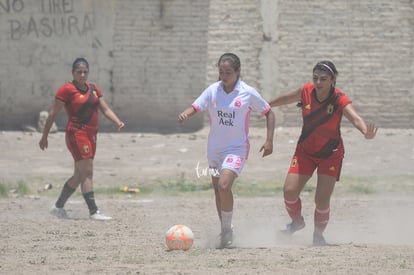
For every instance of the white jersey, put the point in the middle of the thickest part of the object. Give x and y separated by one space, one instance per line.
230 116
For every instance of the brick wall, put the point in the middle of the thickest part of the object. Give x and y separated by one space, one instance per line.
159 61
371 44
152 58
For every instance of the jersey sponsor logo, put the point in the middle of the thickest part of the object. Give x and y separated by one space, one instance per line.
85 149
332 168
226 119
308 107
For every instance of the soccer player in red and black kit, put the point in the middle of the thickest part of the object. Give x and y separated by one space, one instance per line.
319 146
81 100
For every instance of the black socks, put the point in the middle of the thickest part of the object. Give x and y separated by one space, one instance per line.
90 201
67 191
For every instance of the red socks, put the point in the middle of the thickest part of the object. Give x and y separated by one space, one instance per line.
294 209
321 218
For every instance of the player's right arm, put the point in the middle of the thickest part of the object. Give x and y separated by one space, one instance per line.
186 114
200 104
286 98
57 106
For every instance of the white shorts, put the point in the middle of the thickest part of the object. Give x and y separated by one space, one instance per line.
220 161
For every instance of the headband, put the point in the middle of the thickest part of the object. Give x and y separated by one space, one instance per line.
329 68
78 62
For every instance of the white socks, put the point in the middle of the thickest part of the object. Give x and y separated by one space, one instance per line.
226 218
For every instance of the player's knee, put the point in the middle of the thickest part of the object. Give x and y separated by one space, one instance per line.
290 192
224 186
322 202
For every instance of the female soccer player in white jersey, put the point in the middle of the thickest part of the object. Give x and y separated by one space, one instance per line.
229 103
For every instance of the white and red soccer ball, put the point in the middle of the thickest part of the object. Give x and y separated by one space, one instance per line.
179 237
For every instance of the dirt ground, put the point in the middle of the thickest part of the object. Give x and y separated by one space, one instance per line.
370 228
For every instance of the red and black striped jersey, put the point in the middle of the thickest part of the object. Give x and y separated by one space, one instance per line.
321 134
81 108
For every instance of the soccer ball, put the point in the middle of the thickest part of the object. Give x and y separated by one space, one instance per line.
179 237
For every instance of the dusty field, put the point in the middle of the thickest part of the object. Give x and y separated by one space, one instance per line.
370 228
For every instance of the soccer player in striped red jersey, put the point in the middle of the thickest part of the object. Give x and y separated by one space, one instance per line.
320 145
82 100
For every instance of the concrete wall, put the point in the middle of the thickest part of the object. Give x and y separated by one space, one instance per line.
152 58
39 40
147 56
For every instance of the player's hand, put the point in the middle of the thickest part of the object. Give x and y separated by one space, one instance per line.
371 131
267 148
121 125
43 143
181 117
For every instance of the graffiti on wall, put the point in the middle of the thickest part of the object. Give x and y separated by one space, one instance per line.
54 18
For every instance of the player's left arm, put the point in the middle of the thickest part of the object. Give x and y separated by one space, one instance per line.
267 147
369 130
108 113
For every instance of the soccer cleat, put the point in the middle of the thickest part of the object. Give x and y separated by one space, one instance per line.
226 238
293 227
318 240
59 213
99 217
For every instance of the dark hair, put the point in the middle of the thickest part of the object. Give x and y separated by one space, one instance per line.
326 66
78 61
232 59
